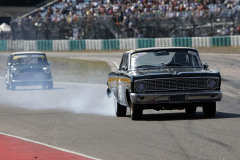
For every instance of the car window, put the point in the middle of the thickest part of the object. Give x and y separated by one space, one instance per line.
124 61
168 57
30 59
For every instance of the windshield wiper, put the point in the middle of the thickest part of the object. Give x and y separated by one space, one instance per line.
147 66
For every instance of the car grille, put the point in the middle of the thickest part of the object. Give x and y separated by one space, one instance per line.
172 84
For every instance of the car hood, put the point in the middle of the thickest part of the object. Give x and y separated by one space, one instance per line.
174 72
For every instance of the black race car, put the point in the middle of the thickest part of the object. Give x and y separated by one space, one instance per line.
164 79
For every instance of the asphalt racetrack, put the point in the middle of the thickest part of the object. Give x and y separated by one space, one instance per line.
80 118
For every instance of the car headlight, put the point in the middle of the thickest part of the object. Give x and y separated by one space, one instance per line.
15 71
47 70
141 87
212 84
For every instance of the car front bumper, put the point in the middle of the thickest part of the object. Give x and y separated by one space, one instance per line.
176 97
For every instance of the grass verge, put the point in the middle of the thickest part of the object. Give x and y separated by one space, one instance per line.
82 71
224 50
73 70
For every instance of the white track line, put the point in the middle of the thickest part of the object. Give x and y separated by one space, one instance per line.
61 149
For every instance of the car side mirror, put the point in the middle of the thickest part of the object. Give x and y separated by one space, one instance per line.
205 65
124 68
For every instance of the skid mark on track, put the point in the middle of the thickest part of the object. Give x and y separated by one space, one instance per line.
197 134
184 153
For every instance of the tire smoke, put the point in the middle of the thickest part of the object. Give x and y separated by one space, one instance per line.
76 98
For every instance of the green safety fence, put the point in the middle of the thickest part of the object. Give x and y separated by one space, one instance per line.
3 45
221 41
145 43
77 45
110 44
114 44
45 45
182 42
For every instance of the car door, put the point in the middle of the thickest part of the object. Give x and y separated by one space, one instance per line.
123 80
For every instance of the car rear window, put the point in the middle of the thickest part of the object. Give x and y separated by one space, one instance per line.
30 59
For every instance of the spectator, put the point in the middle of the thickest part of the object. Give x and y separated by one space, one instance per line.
131 16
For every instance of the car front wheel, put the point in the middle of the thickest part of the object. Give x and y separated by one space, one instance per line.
135 111
190 109
13 87
209 109
44 86
50 85
120 110
7 86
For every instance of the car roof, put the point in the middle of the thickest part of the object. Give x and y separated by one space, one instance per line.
27 52
158 48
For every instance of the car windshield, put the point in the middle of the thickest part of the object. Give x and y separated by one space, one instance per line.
30 59
165 58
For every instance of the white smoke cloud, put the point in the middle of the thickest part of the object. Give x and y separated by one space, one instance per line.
72 97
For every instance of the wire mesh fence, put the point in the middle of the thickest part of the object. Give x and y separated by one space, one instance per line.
185 24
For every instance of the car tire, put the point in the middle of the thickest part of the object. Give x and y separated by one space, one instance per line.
50 85
7 86
135 112
120 110
190 109
44 86
13 87
209 109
